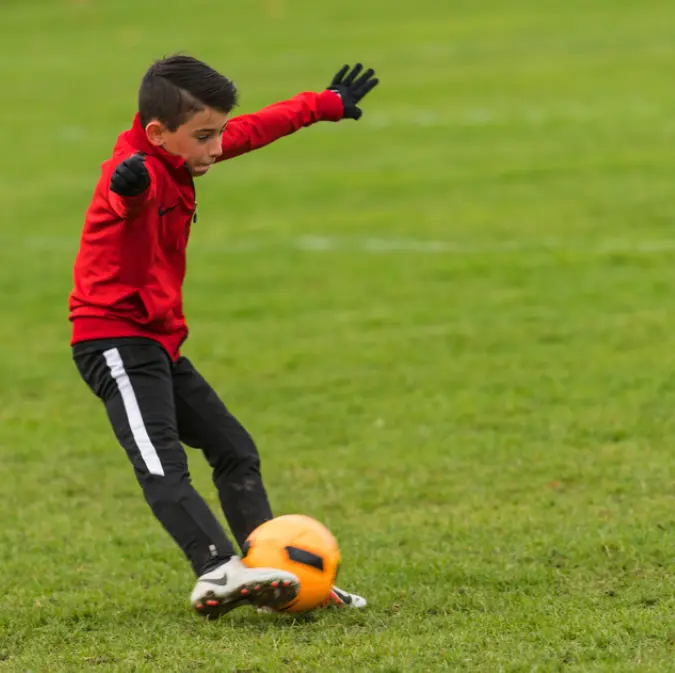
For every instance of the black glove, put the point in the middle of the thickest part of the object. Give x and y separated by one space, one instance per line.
131 177
351 89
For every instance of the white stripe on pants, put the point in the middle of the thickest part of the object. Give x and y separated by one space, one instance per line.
138 430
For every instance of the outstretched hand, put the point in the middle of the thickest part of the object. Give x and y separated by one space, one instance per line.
352 88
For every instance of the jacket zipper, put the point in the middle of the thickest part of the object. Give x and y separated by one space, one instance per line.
194 195
194 219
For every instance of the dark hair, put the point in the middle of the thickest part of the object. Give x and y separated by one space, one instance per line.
176 87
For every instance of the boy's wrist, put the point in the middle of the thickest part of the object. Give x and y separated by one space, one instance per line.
331 107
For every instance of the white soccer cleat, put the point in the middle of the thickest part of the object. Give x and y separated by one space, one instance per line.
342 599
336 599
233 584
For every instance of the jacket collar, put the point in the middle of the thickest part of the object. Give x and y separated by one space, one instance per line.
139 139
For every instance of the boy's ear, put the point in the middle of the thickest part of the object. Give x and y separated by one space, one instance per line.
156 132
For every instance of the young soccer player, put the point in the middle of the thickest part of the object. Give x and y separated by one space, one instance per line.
128 324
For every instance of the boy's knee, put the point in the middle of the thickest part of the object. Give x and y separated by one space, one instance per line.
239 463
173 487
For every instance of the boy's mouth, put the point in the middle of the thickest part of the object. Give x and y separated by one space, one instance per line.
202 168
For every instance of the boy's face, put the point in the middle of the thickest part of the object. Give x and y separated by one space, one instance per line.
198 141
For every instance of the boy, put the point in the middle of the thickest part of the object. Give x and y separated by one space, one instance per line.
128 322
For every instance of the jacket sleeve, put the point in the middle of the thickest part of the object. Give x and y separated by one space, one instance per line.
249 132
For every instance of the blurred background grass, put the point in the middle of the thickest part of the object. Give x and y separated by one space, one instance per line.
448 326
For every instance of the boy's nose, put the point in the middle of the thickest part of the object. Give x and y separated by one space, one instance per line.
216 148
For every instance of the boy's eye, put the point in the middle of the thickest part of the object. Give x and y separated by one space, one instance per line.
203 137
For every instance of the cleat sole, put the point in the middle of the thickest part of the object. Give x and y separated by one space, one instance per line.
271 594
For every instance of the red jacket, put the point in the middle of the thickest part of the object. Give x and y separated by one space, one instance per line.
130 267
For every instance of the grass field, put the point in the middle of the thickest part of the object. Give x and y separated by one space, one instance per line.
449 327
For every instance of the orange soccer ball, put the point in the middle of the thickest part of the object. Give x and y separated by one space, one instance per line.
300 545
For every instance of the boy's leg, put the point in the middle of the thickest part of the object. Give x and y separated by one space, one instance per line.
205 423
133 379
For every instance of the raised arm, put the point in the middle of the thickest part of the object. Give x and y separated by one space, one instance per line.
249 132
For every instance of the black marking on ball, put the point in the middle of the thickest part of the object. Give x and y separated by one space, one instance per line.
305 557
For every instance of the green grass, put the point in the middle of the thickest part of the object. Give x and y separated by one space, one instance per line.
450 328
